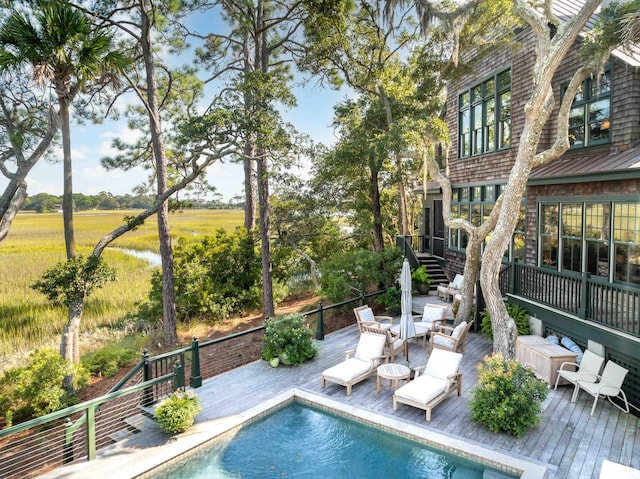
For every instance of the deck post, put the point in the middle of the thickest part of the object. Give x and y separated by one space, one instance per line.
320 323
511 277
583 301
147 394
195 380
178 378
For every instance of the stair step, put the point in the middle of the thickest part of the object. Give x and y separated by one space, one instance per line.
121 434
140 422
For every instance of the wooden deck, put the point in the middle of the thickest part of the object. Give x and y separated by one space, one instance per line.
568 442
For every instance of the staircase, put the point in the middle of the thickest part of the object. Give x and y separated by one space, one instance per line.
434 269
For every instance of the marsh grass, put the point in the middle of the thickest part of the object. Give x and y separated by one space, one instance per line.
36 242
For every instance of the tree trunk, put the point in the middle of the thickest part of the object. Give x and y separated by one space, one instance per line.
67 193
374 196
268 307
249 187
403 217
12 209
70 344
471 267
157 141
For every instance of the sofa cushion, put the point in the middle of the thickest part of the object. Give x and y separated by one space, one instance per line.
422 389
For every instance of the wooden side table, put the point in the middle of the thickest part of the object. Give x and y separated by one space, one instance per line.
393 372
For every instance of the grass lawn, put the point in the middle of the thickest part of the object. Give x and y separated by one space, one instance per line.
36 242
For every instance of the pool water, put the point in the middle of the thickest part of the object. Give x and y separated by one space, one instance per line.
300 441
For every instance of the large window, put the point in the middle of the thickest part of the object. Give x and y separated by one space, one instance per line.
589 120
484 116
475 204
598 237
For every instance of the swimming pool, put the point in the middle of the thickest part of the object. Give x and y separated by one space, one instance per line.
299 440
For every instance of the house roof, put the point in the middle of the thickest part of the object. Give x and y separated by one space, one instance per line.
623 164
566 9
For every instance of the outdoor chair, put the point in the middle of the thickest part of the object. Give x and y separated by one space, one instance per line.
432 317
366 358
441 377
364 315
450 339
393 343
609 386
587 370
449 291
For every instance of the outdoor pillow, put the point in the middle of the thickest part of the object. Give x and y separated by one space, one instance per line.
573 347
553 339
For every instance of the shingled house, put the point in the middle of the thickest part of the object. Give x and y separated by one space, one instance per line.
574 260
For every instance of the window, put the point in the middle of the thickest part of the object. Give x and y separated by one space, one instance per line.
475 204
484 116
549 234
589 120
598 237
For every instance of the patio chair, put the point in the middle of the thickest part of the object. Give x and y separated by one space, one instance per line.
366 358
364 315
450 339
587 370
441 377
449 291
393 343
432 317
609 386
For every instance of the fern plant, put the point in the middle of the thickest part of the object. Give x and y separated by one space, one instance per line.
517 312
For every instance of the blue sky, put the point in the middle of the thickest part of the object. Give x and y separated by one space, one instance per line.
89 143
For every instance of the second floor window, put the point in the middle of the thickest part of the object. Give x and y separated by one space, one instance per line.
589 120
484 116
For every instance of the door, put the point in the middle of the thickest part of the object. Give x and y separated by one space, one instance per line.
438 230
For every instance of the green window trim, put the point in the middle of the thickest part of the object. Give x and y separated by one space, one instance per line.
484 116
590 116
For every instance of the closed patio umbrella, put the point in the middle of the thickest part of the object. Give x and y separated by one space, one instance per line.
407 328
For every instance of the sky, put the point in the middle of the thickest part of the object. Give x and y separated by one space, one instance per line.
89 143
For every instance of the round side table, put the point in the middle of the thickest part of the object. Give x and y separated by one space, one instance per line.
393 372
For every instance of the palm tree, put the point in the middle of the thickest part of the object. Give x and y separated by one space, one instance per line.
67 53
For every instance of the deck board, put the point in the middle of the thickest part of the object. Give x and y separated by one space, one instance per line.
568 441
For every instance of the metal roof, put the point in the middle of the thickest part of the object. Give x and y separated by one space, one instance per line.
575 164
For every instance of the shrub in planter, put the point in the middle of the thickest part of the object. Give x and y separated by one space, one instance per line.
508 396
517 312
178 411
421 280
288 340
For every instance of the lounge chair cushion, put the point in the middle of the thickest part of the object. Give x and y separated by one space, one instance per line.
442 364
370 346
432 313
367 315
443 341
457 331
422 389
348 370
423 328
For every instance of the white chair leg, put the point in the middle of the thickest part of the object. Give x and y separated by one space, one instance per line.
576 390
595 401
557 379
624 398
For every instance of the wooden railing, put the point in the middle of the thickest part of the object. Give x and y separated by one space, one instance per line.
580 294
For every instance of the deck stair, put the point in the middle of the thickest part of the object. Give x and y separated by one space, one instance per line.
434 269
140 422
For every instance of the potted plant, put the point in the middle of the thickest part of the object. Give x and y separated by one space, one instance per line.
287 340
178 411
421 280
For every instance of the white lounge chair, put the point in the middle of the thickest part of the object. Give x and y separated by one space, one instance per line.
441 378
364 315
366 358
587 370
433 316
450 339
393 345
454 287
609 386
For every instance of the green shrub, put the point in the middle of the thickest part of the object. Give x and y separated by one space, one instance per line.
178 411
391 298
508 396
517 312
36 389
289 340
421 278
358 272
109 359
215 278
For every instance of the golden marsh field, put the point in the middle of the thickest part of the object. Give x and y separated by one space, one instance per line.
36 242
